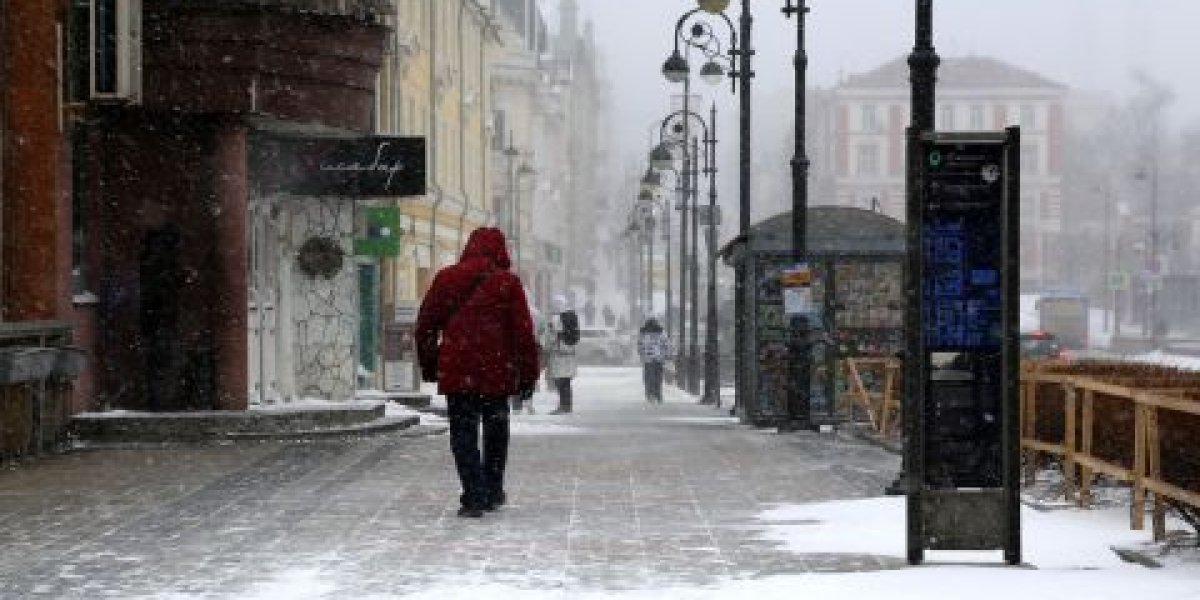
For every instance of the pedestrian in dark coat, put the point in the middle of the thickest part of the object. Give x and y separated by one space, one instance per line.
475 338
653 348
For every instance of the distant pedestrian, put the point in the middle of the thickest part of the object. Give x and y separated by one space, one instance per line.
610 318
475 338
653 348
559 337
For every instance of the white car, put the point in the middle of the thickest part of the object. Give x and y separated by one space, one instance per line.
600 346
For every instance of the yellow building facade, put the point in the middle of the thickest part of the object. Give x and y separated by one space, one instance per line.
433 85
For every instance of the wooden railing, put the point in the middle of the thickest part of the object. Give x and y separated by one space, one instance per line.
879 400
1134 423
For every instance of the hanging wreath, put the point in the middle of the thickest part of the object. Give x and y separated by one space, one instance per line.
320 256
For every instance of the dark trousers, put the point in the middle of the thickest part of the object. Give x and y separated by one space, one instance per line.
652 377
482 475
563 385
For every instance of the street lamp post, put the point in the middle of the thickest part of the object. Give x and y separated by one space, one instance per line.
662 158
510 212
523 171
642 220
512 224
744 73
651 183
923 64
693 381
799 407
702 36
712 369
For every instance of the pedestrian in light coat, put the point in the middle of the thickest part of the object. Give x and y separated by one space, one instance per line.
559 354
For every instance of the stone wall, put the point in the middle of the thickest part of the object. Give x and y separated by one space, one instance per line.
324 310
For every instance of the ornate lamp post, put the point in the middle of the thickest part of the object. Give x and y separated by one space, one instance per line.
662 158
645 209
741 73
651 183
799 407
712 368
923 64
512 220
702 36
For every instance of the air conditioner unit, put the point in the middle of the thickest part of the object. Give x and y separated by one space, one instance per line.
115 51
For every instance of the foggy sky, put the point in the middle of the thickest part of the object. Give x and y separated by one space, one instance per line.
1090 45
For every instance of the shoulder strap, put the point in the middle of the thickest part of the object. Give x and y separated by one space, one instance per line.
479 280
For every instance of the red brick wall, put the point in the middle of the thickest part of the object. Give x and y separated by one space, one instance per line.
33 236
181 158
151 172
291 66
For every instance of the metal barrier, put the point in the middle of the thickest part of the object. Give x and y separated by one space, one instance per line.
37 364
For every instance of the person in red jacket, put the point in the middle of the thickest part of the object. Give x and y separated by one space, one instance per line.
475 339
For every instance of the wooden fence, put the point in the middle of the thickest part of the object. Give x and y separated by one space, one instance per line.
873 390
1131 422
1137 423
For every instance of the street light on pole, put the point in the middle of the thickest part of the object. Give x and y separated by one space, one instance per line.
712 369
662 157
701 35
799 407
523 171
923 64
652 182
741 72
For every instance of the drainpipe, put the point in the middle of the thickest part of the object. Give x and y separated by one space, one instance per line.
485 30
433 137
464 197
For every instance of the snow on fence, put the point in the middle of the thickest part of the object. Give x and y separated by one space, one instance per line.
1136 423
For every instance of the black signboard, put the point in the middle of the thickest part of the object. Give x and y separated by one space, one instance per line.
963 446
962 245
356 167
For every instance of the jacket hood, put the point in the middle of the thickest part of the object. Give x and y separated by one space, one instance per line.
486 243
652 326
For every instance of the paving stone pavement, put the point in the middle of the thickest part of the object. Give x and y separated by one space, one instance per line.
619 495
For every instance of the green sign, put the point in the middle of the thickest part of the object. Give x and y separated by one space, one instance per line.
383 233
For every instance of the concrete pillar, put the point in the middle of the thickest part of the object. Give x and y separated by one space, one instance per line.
231 296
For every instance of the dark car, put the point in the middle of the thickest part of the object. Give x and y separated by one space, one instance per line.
1041 345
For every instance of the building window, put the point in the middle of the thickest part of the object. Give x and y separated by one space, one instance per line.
1031 160
870 120
79 188
1028 117
868 160
976 117
947 120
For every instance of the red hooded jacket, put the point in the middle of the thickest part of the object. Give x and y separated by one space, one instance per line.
487 345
